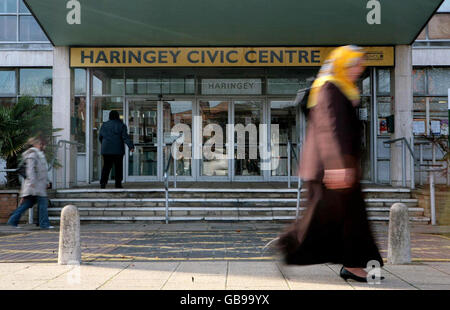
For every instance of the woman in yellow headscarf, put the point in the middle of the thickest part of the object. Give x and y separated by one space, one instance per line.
334 227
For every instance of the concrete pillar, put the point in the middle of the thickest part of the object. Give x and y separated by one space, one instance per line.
399 239
61 106
403 112
69 237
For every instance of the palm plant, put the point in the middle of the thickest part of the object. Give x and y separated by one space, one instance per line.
18 123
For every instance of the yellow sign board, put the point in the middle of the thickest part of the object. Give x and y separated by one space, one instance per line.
215 56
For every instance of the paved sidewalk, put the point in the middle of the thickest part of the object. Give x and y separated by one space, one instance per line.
204 256
213 275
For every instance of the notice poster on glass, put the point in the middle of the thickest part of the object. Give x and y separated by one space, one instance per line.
382 126
419 127
105 117
436 127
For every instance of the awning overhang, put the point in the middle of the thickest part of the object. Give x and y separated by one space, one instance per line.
232 22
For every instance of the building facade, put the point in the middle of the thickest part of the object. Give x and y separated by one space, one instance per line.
233 101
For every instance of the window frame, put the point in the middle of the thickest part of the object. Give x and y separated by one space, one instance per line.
17 15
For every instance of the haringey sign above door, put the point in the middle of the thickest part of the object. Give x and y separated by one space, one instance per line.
215 56
231 87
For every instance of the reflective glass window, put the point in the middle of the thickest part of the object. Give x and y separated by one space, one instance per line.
383 81
36 82
8 28
30 29
438 81
108 82
23 8
8 6
8 102
419 76
7 82
80 81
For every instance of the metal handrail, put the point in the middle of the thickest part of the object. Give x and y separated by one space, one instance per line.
60 145
405 142
434 168
166 174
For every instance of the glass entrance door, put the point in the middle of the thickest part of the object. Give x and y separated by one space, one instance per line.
177 121
248 115
284 116
143 127
214 158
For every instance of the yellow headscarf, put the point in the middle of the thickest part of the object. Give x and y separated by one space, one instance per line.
335 70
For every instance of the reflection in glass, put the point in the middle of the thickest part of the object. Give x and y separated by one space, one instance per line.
177 117
29 30
7 102
384 81
36 82
8 6
78 122
80 81
247 116
283 114
438 81
101 106
7 82
8 28
149 86
419 81
108 82
23 8
214 115
365 118
143 131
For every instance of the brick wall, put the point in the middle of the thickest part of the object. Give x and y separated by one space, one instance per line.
8 203
442 202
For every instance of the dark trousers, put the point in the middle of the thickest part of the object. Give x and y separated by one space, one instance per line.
28 202
108 162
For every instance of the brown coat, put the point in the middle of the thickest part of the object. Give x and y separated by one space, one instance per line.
333 135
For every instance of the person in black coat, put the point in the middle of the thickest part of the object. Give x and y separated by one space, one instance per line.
113 136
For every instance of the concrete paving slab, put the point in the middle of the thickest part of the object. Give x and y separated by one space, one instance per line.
256 274
419 274
20 284
443 267
6 269
198 275
433 287
391 281
312 277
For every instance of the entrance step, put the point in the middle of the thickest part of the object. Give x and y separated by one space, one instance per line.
212 204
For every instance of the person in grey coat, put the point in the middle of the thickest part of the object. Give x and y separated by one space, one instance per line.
34 186
113 135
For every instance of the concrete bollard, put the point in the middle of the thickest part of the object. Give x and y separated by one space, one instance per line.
399 240
69 237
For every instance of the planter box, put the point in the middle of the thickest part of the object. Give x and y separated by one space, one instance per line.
442 202
8 203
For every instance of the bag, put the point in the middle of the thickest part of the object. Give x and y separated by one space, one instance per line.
22 169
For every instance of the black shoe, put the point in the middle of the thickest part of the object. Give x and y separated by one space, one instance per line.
102 185
345 274
119 186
